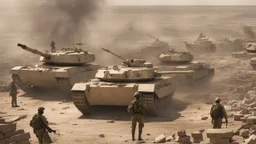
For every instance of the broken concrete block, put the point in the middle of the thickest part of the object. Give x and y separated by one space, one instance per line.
251 120
204 118
183 139
237 117
5 141
181 133
251 140
244 133
220 133
2 121
5 128
1 136
220 140
20 137
197 140
196 134
169 138
160 139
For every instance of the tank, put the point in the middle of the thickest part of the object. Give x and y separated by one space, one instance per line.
230 45
154 48
188 71
201 45
248 53
58 70
115 86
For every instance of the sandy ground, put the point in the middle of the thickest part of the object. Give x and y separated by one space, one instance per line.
72 127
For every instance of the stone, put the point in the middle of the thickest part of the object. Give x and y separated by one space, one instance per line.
220 133
102 135
5 128
244 133
169 138
181 133
204 118
183 139
237 117
251 140
160 139
196 134
220 140
110 121
201 130
17 118
244 111
67 107
197 140
251 120
20 137
2 121
5 141
252 105
1 136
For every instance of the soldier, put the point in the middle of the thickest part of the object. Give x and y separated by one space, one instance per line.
40 126
53 46
13 93
217 113
136 108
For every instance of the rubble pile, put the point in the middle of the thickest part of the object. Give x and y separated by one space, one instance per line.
10 135
182 137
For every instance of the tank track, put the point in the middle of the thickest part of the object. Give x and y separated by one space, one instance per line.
81 102
19 83
154 105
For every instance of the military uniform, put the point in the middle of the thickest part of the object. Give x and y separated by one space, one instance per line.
136 108
41 128
217 115
53 46
13 94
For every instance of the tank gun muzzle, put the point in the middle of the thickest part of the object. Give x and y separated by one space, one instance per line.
34 51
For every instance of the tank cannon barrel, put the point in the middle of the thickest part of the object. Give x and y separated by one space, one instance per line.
152 36
106 50
35 51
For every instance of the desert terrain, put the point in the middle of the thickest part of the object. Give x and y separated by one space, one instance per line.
233 77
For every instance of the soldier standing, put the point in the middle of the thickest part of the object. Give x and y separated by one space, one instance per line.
40 126
136 108
217 113
13 93
53 46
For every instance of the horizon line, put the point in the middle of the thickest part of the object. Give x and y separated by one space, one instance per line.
175 5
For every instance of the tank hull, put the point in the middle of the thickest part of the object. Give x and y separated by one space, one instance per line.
156 94
244 55
201 48
48 77
190 73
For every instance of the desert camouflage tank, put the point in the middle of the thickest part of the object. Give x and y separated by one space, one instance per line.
58 70
201 45
190 71
154 48
115 86
230 45
250 52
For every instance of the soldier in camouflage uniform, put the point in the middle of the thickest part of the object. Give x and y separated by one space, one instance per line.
53 46
13 93
40 127
217 113
136 108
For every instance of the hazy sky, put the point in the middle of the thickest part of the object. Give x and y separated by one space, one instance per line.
181 2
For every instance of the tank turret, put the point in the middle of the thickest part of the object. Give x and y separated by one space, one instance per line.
175 57
66 56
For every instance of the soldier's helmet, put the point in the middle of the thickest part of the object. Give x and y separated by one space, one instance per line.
137 94
41 109
217 99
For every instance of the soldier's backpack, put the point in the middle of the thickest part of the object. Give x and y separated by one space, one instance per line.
36 122
216 111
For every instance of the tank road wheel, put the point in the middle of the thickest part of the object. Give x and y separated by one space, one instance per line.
81 102
19 83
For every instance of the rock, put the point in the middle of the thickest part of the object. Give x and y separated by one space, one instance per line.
201 130
183 139
204 118
110 121
244 111
17 118
160 139
20 137
251 120
62 113
5 128
102 135
181 133
251 140
67 107
74 124
148 134
244 133
169 138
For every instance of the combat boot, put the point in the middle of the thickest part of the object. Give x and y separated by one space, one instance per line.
140 132
133 134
